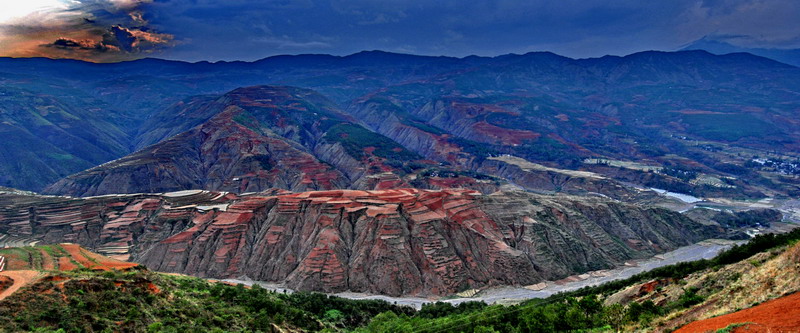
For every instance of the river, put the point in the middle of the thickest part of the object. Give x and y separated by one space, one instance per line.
703 250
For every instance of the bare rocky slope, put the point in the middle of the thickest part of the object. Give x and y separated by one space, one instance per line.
395 242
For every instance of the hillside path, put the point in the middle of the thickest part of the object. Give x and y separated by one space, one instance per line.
21 278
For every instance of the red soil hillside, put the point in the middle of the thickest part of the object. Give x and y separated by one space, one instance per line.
25 265
64 257
778 315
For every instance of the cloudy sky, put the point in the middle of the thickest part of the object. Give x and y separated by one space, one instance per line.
194 30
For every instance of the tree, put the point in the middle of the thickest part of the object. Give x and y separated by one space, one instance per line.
333 316
614 315
484 329
538 319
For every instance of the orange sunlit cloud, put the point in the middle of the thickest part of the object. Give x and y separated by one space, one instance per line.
91 30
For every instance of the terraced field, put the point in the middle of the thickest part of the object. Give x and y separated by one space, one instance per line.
25 265
64 257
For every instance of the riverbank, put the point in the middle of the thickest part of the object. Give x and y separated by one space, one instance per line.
510 295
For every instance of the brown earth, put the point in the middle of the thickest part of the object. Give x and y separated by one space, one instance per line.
5 282
16 261
249 140
65 264
48 263
93 260
106 263
778 315
20 278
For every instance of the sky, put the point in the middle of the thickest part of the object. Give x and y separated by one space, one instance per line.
212 30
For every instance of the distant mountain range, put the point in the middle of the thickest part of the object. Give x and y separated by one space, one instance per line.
687 121
788 56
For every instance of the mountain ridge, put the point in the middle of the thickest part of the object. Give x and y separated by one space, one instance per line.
368 54
717 46
541 107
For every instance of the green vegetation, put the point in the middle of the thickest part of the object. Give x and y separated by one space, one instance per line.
60 157
263 161
143 301
53 132
689 298
247 120
405 167
732 327
735 254
406 118
355 139
728 127
548 149
749 218
421 125
550 315
479 150
681 173
32 255
28 254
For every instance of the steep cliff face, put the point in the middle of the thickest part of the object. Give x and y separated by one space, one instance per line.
396 242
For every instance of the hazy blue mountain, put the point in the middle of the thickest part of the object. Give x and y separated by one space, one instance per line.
789 56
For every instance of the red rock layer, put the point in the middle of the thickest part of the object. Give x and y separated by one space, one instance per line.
395 242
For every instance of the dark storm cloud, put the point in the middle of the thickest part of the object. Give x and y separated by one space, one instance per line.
123 42
70 44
